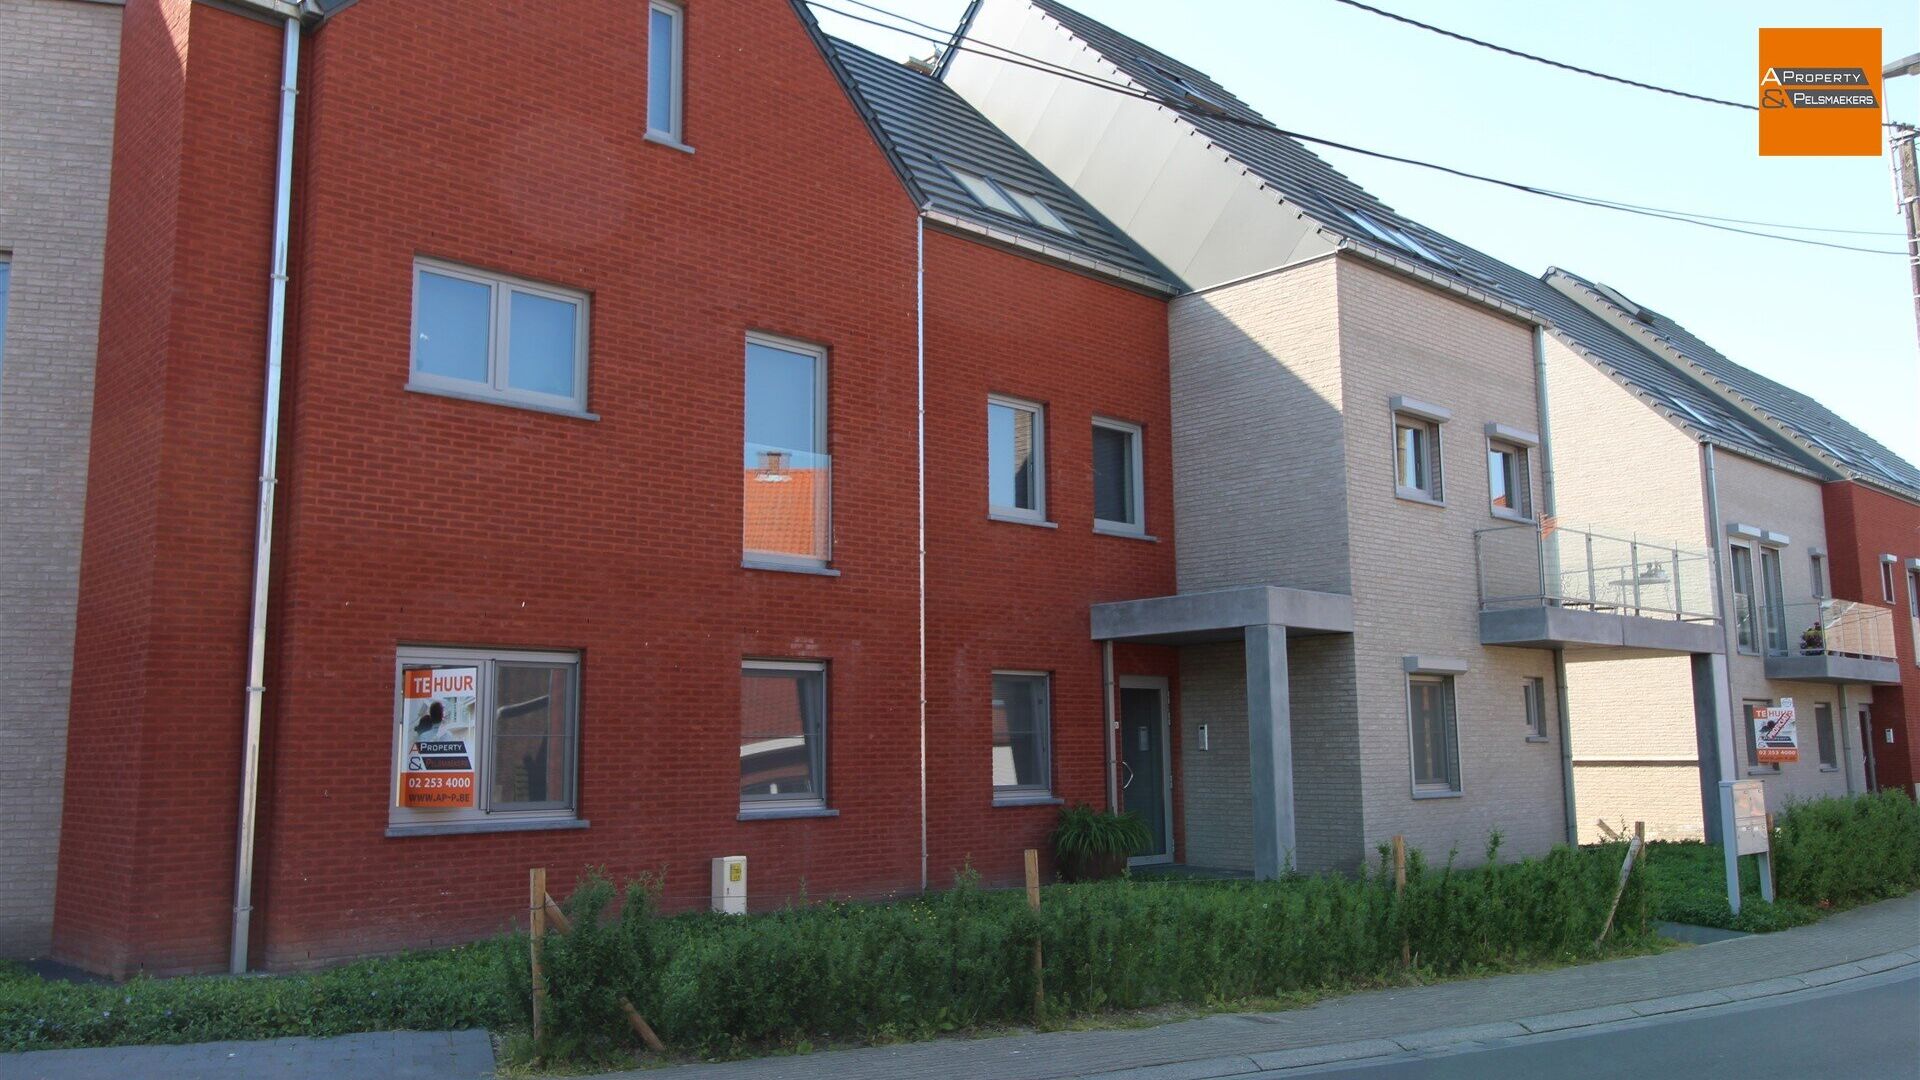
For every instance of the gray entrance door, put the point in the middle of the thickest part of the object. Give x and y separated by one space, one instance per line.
1143 757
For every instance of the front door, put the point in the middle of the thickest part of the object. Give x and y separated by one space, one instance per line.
1866 744
1145 780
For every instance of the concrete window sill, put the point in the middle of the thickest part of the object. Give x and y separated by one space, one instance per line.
784 813
788 568
1010 519
1438 794
503 824
1414 495
1761 771
503 402
1536 738
1123 532
667 141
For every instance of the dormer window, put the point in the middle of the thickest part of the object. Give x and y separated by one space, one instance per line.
1187 92
1011 201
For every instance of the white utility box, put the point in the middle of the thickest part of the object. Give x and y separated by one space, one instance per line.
730 884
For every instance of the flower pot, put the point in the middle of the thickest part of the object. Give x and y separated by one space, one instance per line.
1092 867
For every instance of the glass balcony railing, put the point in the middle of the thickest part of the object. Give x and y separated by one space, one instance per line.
787 503
1829 628
1549 564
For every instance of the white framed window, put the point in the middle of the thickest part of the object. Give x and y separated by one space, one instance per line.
478 334
1119 491
1753 710
1913 594
783 736
1773 601
666 53
1533 693
1886 577
1510 480
1416 456
1823 736
1817 574
1435 734
787 499
1746 610
484 736
1022 736
1016 459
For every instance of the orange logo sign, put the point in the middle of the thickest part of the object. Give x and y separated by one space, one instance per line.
1819 92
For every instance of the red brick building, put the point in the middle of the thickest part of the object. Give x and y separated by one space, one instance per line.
553 297
1876 559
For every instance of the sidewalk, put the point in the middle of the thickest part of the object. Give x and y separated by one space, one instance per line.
1857 943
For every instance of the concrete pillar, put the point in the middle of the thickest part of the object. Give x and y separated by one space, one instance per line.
1713 735
1270 742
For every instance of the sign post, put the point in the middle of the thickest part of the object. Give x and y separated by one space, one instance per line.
1743 806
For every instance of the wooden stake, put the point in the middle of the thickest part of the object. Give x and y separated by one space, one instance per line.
537 929
1039 965
1626 870
634 1020
1399 891
1769 857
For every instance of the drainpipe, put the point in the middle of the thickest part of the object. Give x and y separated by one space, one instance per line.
1840 732
1551 507
920 476
263 528
1107 698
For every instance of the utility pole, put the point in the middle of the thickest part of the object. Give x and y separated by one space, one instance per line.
1906 176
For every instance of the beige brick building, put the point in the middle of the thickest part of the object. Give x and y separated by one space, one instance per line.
56 132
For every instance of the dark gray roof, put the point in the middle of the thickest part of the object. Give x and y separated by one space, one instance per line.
929 130
1856 451
1345 208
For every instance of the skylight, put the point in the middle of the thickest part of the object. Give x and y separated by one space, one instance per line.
1188 92
1010 201
1394 236
1701 418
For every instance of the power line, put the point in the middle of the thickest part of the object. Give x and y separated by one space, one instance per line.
1018 59
1575 68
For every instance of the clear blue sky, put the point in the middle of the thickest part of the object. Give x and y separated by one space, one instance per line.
1837 325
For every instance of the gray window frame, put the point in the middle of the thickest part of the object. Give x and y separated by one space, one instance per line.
403 819
1746 602
1014 793
1520 484
817 760
1136 477
1817 574
1773 602
1823 734
1534 697
1037 514
1886 577
496 389
1452 784
823 443
1430 432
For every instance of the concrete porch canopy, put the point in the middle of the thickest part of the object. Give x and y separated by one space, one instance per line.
1264 616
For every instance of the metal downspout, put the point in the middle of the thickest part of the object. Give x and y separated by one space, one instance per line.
263 527
1549 498
920 475
1108 694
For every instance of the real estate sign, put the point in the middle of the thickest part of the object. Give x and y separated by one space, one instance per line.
1775 737
437 712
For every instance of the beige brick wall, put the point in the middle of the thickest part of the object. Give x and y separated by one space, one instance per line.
1257 452
1774 499
1414 573
57 83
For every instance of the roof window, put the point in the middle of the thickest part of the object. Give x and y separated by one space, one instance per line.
1010 201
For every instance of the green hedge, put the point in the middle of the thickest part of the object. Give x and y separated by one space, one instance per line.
715 984
1840 852
430 991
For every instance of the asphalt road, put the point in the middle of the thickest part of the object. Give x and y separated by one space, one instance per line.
1867 1029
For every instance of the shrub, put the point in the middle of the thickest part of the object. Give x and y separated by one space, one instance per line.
1839 852
958 959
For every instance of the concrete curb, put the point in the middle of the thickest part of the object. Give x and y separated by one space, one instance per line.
1445 1038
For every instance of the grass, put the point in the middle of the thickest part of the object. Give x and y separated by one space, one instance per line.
1687 883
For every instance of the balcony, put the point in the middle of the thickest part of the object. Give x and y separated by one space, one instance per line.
1548 586
1828 641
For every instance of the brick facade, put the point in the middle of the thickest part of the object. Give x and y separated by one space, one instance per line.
56 144
1864 524
409 519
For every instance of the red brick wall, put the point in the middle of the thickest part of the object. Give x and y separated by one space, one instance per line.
1014 596
147 840
1862 525
410 519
